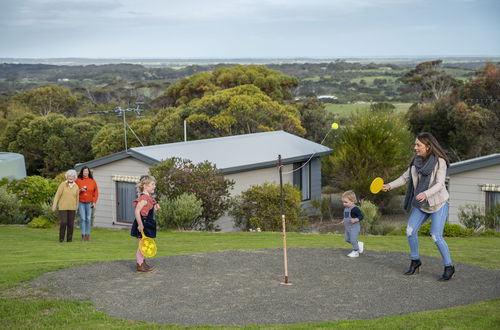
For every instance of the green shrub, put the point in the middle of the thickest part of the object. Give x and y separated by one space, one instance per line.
398 231
371 216
492 217
33 189
323 208
180 213
177 176
47 213
373 143
32 211
450 230
10 208
40 222
487 233
471 216
383 229
260 207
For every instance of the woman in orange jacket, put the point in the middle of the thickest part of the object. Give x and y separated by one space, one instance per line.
88 197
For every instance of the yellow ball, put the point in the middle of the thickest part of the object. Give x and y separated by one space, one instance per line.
335 126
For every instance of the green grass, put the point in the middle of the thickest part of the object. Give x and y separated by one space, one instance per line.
28 253
345 110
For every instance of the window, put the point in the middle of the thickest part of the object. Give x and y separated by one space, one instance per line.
125 195
305 181
492 195
492 198
302 179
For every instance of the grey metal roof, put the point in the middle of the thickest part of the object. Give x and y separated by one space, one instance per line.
230 154
474 163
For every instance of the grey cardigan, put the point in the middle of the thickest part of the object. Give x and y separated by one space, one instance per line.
437 193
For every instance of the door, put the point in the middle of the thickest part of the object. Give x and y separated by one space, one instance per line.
125 195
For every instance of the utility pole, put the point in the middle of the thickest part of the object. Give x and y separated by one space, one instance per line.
122 112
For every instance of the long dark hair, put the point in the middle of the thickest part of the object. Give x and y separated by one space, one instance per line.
434 147
80 175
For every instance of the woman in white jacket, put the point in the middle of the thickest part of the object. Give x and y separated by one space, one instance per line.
426 197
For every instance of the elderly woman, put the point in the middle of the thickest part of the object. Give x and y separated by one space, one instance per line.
66 200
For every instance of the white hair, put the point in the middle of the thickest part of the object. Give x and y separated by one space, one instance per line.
71 172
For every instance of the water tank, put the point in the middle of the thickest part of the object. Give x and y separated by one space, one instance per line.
12 165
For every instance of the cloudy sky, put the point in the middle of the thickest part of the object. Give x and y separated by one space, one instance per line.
248 28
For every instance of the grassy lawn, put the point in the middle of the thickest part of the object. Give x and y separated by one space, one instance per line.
29 253
345 110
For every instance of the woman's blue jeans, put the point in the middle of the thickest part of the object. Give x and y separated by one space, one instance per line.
416 220
85 211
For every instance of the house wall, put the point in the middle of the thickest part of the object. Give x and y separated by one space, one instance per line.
105 211
465 188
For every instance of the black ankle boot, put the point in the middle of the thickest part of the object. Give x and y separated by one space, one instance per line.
414 266
448 273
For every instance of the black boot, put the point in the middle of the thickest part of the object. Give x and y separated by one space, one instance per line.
414 266
448 273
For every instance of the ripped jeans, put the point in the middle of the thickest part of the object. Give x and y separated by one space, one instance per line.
416 220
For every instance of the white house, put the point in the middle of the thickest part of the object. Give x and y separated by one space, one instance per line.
475 181
248 159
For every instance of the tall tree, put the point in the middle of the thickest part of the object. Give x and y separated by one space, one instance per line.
373 144
240 110
50 144
313 118
430 81
273 83
42 101
484 89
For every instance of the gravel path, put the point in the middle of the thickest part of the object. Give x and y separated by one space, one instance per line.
240 287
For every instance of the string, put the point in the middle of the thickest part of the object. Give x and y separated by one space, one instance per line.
298 168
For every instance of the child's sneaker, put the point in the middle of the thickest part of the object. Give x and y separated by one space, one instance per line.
361 246
353 254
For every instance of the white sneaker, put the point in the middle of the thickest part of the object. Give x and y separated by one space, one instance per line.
353 254
361 246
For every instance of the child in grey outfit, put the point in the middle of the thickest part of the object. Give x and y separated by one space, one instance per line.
352 217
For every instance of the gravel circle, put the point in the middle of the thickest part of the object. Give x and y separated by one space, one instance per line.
241 287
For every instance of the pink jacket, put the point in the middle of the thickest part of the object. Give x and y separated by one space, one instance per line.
437 193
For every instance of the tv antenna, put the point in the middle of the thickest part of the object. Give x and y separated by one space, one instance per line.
122 113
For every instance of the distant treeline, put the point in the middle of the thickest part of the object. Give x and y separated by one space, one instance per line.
348 81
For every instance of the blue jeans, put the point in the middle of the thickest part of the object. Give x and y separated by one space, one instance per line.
85 211
416 220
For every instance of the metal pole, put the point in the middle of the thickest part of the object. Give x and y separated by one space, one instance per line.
185 131
124 129
283 223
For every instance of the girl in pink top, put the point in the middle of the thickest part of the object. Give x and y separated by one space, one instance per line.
144 222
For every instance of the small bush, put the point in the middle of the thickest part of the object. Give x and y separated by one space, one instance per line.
40 222
33 189
260 207
10 208
471 216
450 230
31 211
371 216
180 213
323 208
47 213
398 231
383 229
487 233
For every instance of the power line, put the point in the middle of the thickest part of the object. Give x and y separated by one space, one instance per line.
122 112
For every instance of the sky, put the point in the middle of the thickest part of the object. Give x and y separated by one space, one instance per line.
248 28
